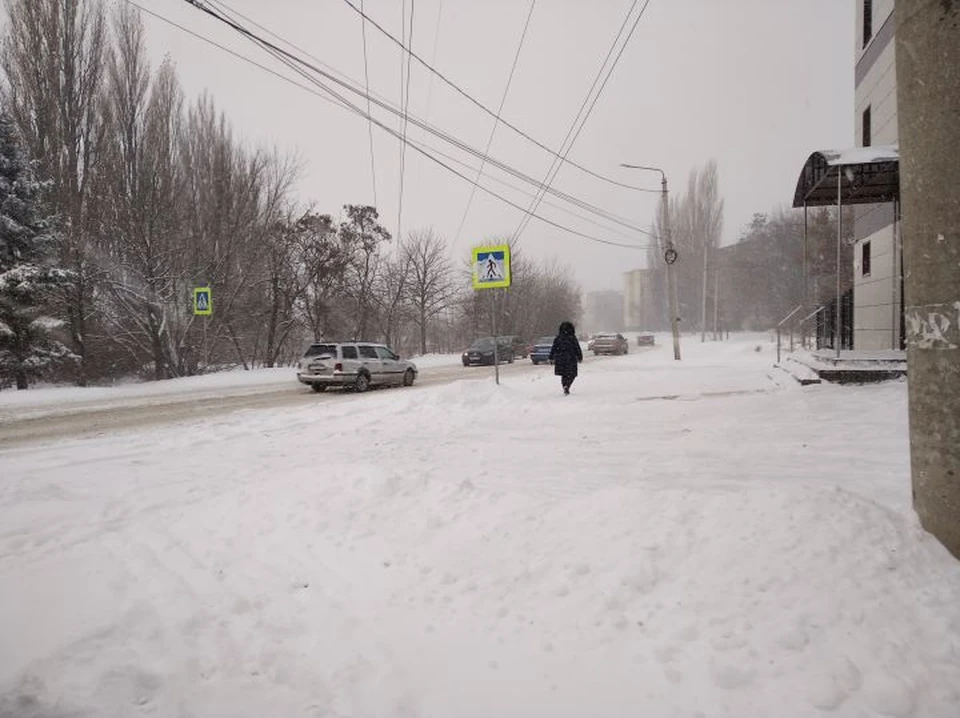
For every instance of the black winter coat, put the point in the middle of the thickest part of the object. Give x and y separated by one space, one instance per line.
566 354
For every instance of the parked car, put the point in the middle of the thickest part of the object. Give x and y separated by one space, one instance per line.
480 353
518 346
645 339
540 354
610 344
355 365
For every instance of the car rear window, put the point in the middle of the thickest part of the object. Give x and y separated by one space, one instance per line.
349 352
316 350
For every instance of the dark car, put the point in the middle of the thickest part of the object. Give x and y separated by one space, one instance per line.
540 353
645 339
480 353
517 345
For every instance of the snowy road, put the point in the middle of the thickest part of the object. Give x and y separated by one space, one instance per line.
695 539
85 417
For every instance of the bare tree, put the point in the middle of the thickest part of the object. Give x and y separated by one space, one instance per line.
432 284
391 294
363 234
53 56
141 250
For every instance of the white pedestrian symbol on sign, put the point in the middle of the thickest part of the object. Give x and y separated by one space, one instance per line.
203 300
490 267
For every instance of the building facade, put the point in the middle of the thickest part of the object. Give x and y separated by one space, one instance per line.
603 311
640 308
877 293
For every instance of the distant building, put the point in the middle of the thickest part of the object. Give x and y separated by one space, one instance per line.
603 311
641 310
877 290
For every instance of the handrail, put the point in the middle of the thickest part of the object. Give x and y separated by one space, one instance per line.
812 314
790 315
800 323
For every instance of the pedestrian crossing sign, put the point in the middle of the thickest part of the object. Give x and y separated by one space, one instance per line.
202 301
491 267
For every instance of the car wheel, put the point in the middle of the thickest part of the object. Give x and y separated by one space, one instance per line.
408 377
510 360
362 383
318 388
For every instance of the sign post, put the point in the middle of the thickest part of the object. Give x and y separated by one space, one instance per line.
203 307
202 301
491 270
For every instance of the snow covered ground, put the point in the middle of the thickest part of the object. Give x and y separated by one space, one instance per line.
46 400
674 539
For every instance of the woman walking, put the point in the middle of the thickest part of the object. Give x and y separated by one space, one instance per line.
566 355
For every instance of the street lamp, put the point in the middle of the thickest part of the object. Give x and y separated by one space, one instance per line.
669 255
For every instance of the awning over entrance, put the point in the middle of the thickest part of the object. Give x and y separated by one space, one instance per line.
868 175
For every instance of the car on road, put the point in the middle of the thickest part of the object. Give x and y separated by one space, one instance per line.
518 346
353 365
645 339
480 352
610 344
540 354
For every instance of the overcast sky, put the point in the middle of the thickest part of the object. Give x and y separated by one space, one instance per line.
755 84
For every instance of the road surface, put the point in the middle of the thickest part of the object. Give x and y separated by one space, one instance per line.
78 420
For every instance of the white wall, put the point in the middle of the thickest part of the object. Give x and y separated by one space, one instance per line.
882 9
879 91
876 299
876 312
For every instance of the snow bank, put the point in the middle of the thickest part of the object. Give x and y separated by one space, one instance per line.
674 539
232 382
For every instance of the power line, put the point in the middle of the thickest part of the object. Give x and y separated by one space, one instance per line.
342 102
504 183
366 85
496 121
490 112
552 170
405 105
422 125
433 57
555 166
351 85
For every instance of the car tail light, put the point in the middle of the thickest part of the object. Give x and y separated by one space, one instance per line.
338 367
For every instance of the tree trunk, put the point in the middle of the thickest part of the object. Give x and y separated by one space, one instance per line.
928 90
156 345
272 324
423 330
22 380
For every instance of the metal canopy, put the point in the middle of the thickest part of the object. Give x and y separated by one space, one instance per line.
868 175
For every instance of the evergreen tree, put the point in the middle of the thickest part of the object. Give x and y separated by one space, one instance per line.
27 246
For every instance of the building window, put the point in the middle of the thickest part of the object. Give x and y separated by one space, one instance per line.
867 21
865 127
865 260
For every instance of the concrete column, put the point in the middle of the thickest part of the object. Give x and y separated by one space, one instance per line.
928 93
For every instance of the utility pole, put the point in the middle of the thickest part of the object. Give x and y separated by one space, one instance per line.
928 92
716 301
703 296
669 254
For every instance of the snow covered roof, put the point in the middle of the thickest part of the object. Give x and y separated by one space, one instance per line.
867 175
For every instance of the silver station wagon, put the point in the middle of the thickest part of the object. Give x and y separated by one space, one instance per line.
354 365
